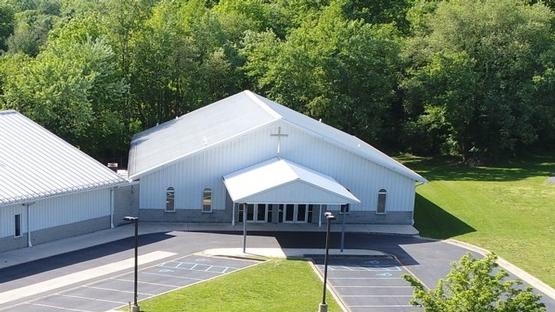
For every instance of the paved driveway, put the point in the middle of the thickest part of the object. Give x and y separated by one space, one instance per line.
428 260
114 291
368 283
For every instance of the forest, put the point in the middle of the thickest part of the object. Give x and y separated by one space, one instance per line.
469 78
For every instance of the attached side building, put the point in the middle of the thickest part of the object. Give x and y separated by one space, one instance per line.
282 166
48 188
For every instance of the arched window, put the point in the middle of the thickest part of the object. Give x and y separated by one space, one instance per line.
382 196
207 200
170 199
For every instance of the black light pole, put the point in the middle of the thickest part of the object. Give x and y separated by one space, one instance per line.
324 306
135 307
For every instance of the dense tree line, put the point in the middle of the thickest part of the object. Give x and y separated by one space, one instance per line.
473 78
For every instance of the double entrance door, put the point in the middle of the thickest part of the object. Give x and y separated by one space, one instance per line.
280 213
295 213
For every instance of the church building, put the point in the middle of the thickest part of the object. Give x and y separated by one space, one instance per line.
283 166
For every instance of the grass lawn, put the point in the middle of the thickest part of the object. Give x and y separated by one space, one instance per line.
508 208
276 285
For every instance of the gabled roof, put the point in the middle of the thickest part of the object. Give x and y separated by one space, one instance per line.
231 117
35 163
258 182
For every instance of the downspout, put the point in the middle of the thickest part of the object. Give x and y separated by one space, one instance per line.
28 208
112 200
233 214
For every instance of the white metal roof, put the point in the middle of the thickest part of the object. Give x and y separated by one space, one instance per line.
244 185
230 117
35 163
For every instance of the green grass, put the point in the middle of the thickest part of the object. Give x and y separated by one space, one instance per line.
276 285
508 208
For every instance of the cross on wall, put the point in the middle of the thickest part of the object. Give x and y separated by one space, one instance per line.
279 135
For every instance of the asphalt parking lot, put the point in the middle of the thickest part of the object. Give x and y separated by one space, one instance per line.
115 291
368 283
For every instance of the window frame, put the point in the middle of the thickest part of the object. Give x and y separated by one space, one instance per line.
203 198
170 190
382 192
17 225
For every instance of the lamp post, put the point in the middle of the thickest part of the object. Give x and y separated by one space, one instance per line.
324 306
135 307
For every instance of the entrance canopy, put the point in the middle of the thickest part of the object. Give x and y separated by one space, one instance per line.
279 181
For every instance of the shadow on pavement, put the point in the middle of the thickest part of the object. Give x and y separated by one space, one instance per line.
62 260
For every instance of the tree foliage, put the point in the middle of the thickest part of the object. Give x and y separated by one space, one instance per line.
476 285
461 77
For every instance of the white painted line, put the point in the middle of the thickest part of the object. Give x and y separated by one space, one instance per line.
379 296
382 306
206 270
148 283
175 276
365 278
92 299
77 277
117 290
61 308
372 286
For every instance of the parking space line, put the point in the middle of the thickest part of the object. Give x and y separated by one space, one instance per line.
206 270
81 276
116 290
378 296
373 286
149 283
382 306
365 278
174 276
92 299
61 308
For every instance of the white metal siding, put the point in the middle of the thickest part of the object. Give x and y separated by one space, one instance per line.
296 192
191 175
56 211
70 209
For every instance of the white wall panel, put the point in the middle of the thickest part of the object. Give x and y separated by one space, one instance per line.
7 220
205 169
69 209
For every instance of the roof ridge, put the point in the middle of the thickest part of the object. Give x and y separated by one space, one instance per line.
263 105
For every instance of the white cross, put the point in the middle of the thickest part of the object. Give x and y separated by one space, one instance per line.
279 135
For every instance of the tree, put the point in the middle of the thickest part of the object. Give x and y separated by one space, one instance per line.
340 70
73 89
476 61
476 285
6 25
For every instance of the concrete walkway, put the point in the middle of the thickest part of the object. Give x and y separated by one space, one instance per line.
24 255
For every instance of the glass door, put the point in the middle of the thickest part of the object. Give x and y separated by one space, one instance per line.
302 214
289 214
295 213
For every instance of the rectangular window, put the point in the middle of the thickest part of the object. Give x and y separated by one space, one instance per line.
17 225
345 209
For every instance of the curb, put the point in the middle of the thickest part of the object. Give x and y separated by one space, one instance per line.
329 288
518 272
